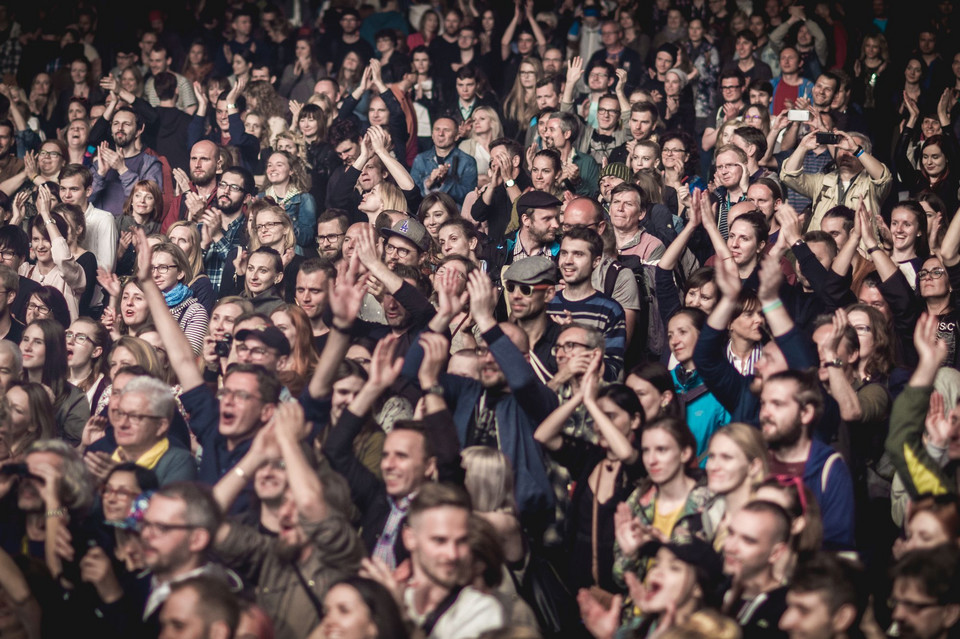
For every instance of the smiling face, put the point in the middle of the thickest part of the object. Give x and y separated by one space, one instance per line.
933 160
729 169
270 228
702 297
727 465
346 614
278 169
438 542
404 464
118 493
576 262
40 247
222 320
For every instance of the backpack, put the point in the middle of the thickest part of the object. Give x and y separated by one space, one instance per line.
649 333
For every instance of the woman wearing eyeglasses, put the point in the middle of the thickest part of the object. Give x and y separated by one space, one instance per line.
29 417
171 272
88 348
605 472
124 483
47 302
44 350
289 188
270 227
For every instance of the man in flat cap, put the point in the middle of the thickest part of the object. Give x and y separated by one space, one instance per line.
529 284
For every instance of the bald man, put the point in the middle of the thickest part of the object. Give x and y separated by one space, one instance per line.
204 169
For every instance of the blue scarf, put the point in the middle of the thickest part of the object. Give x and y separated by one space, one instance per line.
177 294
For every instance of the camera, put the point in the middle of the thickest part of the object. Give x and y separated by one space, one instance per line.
20 470
828 138
222 347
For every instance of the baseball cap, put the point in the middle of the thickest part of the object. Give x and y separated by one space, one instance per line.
698 554
272 336
412 231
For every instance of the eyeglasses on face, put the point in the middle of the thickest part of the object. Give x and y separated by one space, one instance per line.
109 491
258 351
49 154
933 273
162 269
239 395
401 251
443 270
137 419
912 607
601 111
526 289
39 309
268 225
144 525
567 348
79 338
233 188
329 239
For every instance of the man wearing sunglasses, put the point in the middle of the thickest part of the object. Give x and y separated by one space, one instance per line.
528 285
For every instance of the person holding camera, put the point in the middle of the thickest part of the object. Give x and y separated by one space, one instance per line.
858 176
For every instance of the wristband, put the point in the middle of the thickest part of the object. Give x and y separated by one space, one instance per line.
772 306
57 512
858 152
871 251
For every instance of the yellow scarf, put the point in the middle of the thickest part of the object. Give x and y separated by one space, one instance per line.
149 459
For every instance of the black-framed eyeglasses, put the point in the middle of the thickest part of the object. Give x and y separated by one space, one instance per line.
329 239
120 491
526 289
243 396
144 525
401 251
567 348
233 188
39 309
932 273
601 111
913 607
8 255
267 226
49 154
162 269
260 351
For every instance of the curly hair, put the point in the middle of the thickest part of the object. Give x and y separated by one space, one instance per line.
299 179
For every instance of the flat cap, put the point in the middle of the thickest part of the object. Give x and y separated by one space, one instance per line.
536 200
532 270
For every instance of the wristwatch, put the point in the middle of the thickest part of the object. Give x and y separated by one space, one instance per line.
509 183
834 363
436 389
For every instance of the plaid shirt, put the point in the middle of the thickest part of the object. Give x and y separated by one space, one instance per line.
217 253
388 538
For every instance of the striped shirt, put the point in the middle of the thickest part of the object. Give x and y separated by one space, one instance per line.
604 314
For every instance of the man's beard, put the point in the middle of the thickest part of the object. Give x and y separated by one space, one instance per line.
230 208
784 439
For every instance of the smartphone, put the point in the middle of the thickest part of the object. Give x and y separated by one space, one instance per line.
828 138
798 115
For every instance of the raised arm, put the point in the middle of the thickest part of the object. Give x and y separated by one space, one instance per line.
549 432
384 371
886 267
508 34
574 73
367 252
179 351
674 251
263 449
844 258
728 282
345 297
380 145
840 387
619 445
771 277
950 247
290 429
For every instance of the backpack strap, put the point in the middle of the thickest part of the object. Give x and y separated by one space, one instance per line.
825 473
610 279
445 604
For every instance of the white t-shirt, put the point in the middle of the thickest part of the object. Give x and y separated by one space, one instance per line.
472 614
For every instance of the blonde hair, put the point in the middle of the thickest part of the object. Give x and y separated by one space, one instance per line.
289 239
488 479
179 257
392 198
749 440
495 125
194 257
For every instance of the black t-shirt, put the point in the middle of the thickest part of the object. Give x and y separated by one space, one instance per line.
759 617
339 49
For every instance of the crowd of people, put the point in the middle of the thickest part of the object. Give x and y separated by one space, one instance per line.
465 320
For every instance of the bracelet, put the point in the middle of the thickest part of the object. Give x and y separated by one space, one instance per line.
858 152
49 222
772 306
239 472
57 512
871 251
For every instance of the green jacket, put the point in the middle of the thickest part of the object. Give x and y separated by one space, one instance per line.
918 470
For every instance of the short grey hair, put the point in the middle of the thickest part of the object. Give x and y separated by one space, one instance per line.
594 338
6 346
76 485
159 395
863 141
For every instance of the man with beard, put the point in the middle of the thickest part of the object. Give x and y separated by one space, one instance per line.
200 608
315 546
331 230
117 170
579 168
500 410
529 285
757 540
859 176
539 222
580 253
199 187
441 512
643 121
224 226
791 403
926 593
10 164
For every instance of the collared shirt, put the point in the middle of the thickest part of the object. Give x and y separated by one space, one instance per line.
218 251
519 252
385 543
